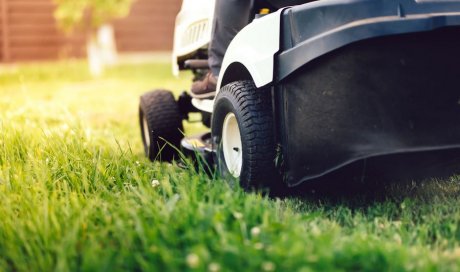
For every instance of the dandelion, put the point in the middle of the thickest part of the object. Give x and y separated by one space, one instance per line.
192 260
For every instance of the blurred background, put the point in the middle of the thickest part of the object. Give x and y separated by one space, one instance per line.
30 31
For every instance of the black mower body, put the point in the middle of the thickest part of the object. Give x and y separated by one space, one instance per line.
357 79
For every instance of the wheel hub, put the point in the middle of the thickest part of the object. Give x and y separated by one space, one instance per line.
231 145
146 131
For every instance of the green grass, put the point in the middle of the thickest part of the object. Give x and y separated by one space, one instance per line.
76 193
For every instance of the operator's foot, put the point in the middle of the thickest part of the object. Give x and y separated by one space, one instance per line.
204 88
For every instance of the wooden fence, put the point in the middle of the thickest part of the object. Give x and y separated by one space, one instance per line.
28 30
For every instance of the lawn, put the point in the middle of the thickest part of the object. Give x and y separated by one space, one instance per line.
76 193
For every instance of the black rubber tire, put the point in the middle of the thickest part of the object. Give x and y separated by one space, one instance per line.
164 124
253 110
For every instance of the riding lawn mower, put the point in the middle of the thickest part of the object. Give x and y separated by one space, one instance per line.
314 86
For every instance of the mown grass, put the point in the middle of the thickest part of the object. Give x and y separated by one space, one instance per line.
77 194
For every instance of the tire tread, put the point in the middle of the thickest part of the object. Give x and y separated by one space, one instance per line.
254 108
165 124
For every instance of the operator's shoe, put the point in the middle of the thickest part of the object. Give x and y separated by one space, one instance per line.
205 88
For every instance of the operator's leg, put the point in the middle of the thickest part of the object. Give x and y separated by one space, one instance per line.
230 16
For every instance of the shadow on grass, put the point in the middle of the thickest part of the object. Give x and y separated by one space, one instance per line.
422 176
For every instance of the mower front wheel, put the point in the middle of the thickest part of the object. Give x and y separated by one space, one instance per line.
161 125
243 135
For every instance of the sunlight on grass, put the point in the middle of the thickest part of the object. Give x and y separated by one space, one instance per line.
50 92
78 194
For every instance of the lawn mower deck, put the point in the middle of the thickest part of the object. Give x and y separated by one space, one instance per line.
388 95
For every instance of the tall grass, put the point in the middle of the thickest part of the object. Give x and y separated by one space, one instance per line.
76 193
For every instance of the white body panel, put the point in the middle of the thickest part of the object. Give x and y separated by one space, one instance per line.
254 47
203 104
192 29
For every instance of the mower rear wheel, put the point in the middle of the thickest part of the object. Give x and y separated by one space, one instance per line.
161 125
243 135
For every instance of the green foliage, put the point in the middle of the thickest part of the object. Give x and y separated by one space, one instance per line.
77 194
72 13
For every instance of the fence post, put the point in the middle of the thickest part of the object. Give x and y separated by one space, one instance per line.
5 31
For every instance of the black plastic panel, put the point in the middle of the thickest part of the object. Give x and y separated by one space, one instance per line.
388 95
311 30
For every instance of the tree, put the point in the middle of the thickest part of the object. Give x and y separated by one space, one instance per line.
93 16
71 14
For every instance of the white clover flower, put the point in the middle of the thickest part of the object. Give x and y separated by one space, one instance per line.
255 231
192 260
155 183
268 266
238 215
214 267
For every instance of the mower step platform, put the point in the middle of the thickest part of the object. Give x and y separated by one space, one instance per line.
198 147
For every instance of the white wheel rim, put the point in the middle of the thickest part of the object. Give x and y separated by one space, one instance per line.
146 131
231 145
